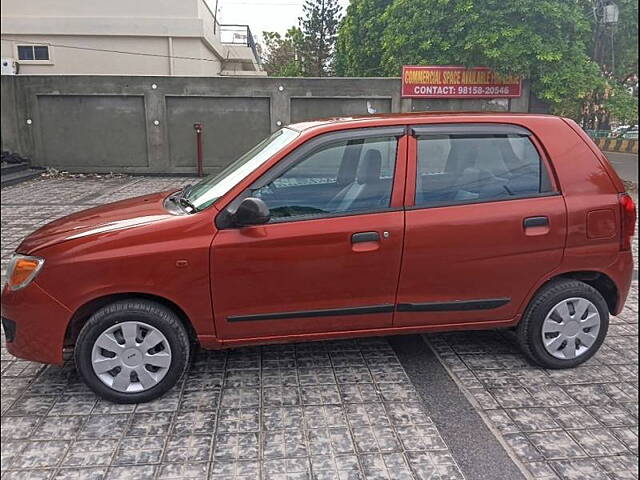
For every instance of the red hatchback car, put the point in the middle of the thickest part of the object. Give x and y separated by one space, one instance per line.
348 227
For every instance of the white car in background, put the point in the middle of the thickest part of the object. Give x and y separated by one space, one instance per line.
631 134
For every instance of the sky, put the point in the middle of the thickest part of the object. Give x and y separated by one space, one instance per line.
262 15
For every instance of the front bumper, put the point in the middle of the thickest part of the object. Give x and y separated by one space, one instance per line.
39 324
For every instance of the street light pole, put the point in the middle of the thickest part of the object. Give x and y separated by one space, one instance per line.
606 14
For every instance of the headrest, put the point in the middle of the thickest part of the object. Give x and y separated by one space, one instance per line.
468 178
463 154
370 167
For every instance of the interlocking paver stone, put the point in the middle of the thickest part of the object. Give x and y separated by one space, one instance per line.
328 410
563 424
89 453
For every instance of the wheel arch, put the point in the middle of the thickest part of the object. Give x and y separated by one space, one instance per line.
84 312
598 280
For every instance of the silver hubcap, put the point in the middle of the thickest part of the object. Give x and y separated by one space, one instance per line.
131 357
571 328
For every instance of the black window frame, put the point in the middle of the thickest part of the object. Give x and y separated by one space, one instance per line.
300 154
482 130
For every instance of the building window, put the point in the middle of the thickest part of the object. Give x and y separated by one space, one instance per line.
33 52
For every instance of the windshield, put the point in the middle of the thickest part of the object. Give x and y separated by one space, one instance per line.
204 193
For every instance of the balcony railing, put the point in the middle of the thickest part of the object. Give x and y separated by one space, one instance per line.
238 35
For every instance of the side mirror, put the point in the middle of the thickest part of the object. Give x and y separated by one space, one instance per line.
252 211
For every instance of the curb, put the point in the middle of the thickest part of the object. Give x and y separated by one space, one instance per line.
617 145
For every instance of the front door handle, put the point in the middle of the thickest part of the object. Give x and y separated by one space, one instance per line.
531 222
362 237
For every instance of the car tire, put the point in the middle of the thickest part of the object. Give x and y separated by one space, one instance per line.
549 323
117 336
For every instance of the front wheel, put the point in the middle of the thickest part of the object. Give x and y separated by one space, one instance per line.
132 351
564 325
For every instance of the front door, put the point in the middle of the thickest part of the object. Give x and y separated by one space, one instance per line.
329 259
484 224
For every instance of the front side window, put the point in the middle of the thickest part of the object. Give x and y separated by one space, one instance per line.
206 192
33 52
458 168
341 177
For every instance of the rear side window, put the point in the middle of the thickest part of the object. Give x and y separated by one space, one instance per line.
461 168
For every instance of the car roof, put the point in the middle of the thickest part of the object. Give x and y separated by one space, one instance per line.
414 118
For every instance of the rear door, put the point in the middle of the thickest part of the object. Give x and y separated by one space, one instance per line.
329 259
484 223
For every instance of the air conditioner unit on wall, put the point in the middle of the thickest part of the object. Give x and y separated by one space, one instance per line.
9 66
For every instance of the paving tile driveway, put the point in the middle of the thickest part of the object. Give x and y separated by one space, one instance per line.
572 424
325 410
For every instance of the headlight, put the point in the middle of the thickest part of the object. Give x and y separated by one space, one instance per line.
22 270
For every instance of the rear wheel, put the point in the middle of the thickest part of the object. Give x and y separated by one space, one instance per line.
564 325
132 351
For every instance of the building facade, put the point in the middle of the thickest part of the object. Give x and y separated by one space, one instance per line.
124 37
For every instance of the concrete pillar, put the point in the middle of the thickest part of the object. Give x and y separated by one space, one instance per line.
280 105
155 109
396 102
9 112
406 105
170 59
27 120
521 104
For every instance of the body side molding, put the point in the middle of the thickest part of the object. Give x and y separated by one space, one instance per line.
456 306
330 312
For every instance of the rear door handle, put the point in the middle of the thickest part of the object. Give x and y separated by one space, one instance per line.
531 222
362 237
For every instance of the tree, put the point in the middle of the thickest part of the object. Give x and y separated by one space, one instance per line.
319 27
615 49
555 44
622 105
544 41
626 43
359 44
283 56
